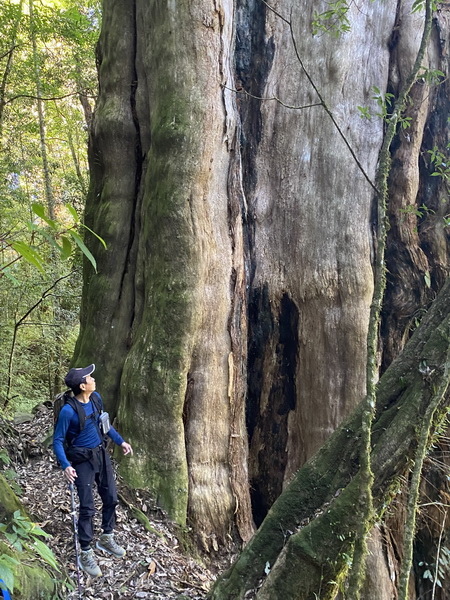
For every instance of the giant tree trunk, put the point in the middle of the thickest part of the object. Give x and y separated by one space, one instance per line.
302 549
229 316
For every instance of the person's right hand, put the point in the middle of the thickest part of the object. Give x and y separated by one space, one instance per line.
70 474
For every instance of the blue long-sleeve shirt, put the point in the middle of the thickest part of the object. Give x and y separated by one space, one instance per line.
68 426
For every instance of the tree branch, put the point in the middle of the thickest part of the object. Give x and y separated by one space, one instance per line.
264 99
47 99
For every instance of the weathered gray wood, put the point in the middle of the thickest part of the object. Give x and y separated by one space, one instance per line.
228 320
303 548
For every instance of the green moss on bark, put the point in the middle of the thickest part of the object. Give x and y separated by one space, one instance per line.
155 370
9 502
316 510
140 202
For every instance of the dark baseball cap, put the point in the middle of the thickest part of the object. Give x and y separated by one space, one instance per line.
76 376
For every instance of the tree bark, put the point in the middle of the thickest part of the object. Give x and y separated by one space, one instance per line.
228 319
174 288
305 542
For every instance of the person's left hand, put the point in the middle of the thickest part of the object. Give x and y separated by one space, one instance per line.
127 449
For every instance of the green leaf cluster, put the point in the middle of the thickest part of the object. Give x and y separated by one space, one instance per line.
7 564
61 236
334 20
20 534
48 88
438 572
419 5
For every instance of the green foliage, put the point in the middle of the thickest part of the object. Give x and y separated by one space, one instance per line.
364 112
21 530
44 552
334 20
420 211
11 476
431 76
39 328
4 457
7 564
20 534
385 103
419 5
439 571
60 235
46 60
441 163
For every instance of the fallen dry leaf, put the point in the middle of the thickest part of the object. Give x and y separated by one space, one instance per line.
154 566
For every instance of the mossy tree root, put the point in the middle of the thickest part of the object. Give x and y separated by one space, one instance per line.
364 504
423 444
310 530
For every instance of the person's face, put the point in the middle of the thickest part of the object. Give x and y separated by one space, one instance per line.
89 384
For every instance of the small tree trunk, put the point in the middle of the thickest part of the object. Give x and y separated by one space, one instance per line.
40 106
9 63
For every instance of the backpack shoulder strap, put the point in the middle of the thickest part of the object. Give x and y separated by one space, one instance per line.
97 402
71 401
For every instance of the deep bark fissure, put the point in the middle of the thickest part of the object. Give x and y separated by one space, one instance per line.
238 331
129 261
267 478
113 202
261 327
310 529
253 55
253 58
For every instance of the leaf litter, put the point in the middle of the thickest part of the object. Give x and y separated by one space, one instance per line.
155 566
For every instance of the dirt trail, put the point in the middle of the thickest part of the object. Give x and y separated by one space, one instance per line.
155 567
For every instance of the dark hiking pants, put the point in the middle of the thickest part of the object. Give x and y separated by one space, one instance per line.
98 470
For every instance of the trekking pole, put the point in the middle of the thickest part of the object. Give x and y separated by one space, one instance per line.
75 535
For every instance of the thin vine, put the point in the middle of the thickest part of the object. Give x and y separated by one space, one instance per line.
366 513
380 187
411 510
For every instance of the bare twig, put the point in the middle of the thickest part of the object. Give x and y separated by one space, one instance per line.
268 98
329 113
16 328
319 95
276 12
47 99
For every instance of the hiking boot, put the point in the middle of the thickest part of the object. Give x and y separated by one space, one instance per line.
88 563
109 544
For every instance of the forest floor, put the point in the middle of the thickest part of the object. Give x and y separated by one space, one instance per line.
155 567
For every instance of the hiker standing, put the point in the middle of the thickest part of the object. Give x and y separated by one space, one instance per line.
79 446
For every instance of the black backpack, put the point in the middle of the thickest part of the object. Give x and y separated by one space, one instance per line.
67 397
